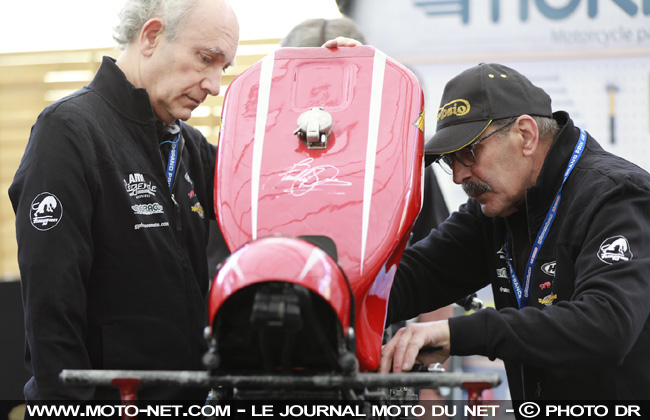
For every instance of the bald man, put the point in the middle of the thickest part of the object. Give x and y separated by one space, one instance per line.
112 201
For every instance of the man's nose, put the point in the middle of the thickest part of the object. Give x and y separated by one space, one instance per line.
212 83
460 172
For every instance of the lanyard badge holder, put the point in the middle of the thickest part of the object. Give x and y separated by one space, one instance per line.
523 294
175 153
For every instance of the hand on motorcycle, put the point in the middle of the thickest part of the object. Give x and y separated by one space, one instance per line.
341 41
407 346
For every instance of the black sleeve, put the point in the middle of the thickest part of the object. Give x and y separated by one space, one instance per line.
52 198
450 263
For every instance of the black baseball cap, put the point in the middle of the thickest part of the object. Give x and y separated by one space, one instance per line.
476 97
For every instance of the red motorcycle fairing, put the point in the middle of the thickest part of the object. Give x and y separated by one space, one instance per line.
293 260
357 180
284 323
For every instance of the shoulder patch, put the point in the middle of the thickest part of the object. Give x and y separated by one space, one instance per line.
615 249
46 211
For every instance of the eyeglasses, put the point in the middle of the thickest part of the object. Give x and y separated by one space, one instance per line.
466 155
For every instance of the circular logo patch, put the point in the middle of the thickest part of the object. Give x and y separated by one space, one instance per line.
46 211
616 249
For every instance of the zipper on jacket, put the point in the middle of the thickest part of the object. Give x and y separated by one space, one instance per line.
177 212
511 244
530 235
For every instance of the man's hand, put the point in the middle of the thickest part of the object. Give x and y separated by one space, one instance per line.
340 41
403 350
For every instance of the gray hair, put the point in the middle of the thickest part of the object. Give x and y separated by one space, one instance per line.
315 32
546 127
136 13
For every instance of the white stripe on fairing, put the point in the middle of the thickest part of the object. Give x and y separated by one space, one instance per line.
378 68
315 256
264 93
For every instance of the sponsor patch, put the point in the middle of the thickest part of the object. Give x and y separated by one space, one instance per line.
549 268
615 249
548 300
46 211
198 208
150 225
501 253
188 179
136 186
147 209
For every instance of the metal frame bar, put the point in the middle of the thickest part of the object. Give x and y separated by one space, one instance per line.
427 380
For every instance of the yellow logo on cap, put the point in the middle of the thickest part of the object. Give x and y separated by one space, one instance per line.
458 107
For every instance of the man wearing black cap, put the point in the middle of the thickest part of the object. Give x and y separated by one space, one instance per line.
557 226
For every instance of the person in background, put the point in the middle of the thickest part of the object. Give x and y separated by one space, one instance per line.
315 33
557 226
112 201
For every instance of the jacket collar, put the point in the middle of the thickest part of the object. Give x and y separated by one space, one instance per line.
540 197
130 102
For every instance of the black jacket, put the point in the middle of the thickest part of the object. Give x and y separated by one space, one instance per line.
113 266
586 331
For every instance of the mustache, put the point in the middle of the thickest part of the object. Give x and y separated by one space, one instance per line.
474 188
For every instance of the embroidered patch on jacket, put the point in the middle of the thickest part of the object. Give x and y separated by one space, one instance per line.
501 253
198 208
615 249
147 209
188 179
137 186
548 300
549 268
46 211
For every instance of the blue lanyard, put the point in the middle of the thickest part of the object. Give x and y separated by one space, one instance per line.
522 295
172 161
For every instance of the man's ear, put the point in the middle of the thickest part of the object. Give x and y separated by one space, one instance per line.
527 127
150 36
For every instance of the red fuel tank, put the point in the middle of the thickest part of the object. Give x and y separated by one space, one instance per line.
324 142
